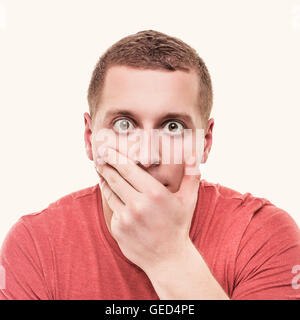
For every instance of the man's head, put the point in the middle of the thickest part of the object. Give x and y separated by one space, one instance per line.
148 81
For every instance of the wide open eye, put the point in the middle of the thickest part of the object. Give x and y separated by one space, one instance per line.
123 125
174 127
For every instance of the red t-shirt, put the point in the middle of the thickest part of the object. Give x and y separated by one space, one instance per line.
66 251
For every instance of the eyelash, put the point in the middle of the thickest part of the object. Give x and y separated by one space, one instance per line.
114 121
131 120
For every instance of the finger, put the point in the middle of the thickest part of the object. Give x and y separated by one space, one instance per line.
141 180
117 183
112 199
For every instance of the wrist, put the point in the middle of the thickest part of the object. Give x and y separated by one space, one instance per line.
169 265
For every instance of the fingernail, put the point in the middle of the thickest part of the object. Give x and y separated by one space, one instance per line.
103 151
100 161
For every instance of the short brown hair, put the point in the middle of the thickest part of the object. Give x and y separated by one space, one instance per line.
151 49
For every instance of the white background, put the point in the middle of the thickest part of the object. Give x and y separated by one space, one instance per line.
48 50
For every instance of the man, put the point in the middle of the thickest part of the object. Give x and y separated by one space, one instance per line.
154 230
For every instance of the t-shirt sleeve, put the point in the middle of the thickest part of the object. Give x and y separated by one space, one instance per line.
22 274
268 259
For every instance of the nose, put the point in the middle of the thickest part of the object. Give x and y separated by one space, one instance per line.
148 153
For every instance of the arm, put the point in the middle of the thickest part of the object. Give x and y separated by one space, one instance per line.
186 278
267 260
24 278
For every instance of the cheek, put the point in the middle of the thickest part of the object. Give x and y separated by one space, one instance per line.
103 138
181 149
192 148
128 147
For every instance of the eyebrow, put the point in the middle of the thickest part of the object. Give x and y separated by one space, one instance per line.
174 115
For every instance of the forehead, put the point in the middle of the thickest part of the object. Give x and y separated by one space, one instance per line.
149 93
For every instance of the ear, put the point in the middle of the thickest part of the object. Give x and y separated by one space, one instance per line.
208 140
87 135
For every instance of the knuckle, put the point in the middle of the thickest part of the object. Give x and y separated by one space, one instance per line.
138 215
155 194
112 179
103 168
126 224
137 212
109 176
136 207
127 170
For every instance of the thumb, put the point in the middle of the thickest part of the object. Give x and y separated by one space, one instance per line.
189 187
190 183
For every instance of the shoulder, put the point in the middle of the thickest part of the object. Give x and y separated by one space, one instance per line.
223 197
257 242
65 210
35 245
245 221
224 192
